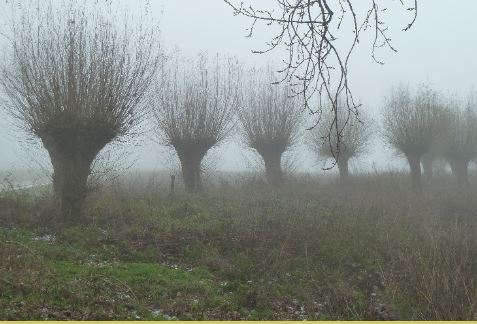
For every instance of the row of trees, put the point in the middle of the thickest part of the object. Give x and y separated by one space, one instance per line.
426 126
77 80
198 103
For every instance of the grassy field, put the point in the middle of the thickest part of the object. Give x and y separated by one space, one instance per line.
313 250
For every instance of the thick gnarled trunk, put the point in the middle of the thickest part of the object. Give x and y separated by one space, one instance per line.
70 178
273 169
72 151
414 161
273 166
191 174
70 183
191 152
343 168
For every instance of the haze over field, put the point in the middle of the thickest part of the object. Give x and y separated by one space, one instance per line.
427 53
158 170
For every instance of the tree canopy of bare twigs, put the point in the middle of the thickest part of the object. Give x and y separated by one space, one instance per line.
412 123
270 120
461 139
77 80
354 138
194 110
312 33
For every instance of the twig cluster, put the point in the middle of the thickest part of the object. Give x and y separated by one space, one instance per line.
315 66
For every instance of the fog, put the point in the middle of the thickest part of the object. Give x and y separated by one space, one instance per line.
107 215
438 49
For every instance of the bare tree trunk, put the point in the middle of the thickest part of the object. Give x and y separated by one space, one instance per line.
191 174
414 161
71 158
343 168
427 166
273 168
70 182
191 154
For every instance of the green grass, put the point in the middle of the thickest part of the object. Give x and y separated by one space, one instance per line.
369 250
97 287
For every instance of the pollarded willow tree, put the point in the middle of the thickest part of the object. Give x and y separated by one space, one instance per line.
353 132
412 123
271 121
194 110
461 139
77 81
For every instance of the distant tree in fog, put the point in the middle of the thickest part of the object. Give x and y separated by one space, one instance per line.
270 121
412 123
194 110
437 149
352 131
77 80
461 141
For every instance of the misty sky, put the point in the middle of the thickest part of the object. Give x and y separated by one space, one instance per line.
439 49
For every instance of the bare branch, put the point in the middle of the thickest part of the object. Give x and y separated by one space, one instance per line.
315 66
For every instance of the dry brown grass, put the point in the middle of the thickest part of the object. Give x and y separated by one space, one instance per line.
315 249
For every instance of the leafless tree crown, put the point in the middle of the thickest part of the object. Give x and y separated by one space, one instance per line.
72 67
461 137
271 119
195 106
354 138
412 122
270 115
462 143
196 100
